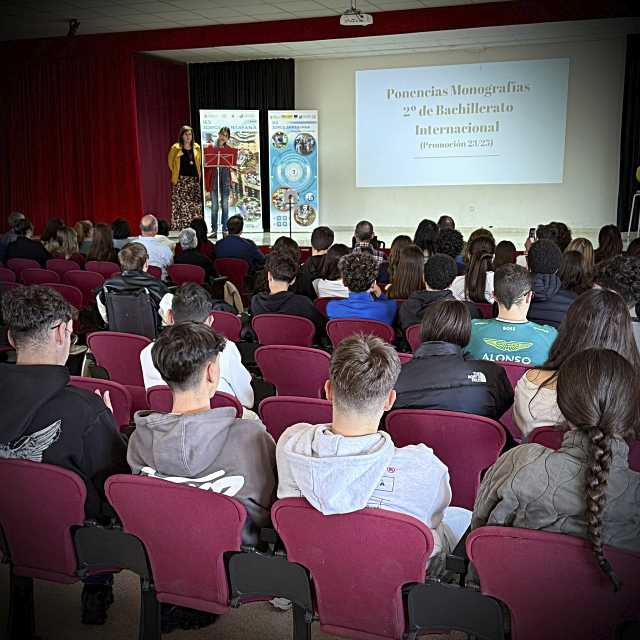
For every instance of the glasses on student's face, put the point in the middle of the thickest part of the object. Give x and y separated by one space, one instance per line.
73 337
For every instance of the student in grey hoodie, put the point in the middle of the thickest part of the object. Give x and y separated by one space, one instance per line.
348 465
198 446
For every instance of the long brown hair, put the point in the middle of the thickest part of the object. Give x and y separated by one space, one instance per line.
598 395
572 274
481 260
408 276
398 244
183 130
102 244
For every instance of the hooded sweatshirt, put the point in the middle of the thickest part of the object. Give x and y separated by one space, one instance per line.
44 419
413 309
288 303
211 450
550 302
338 474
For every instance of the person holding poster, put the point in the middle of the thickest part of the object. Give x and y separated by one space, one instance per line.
184 163
219 160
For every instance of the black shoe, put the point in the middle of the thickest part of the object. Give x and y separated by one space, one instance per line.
174 617
96 599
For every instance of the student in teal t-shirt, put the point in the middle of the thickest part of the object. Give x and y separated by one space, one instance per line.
511 337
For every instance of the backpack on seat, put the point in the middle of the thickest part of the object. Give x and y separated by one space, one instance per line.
131 312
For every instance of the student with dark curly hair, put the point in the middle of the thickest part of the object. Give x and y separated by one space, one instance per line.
451 243
366 301
585 488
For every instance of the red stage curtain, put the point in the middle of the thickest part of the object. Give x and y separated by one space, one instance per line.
71 140
162 95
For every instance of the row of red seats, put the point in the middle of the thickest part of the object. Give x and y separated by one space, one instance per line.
340 570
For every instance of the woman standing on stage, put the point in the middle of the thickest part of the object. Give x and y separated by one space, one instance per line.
186 196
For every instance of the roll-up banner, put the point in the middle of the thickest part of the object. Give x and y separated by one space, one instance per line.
231 167
293 170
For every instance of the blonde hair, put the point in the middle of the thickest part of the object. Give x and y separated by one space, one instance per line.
584 247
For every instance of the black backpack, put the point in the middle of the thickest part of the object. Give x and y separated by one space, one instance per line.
131 312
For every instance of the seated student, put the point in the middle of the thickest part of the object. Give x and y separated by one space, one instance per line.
364 238
610 243
65 246
121 233
451 243
321 241
205 246
598 318
550 301
349 464
622 275
585 488
505 254
281 271
388 268
189 253
329 284
426 236
157 246
45 419
439 272
366 301
511 337
191 303
102 248
23 246
407 276
7 238
477 284
134 262
195 444
439 377
573 276
234 246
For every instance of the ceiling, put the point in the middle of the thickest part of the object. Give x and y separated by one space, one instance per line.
477 39
46 18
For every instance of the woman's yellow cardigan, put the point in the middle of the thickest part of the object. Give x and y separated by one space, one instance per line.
174 160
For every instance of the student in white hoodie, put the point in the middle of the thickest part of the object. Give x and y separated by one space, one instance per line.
348 465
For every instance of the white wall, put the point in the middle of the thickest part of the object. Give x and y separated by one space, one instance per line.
586 200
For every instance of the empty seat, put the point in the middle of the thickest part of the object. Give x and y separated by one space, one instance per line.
18 264
72 295
467 444
280 412
87 281
294 371
181 273
118 393
119 354
359 563
552 584
235 269
61 266
228 324
341 328
280 328
160 398
105 269
38 276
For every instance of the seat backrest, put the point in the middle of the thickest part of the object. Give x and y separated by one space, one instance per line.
294 371
552 584
86 281
405 357
131 312
514 370
321 304
485 309
413 337
181 273
38 276
39 503
279 328
18 264
6 275
72 295
119 354
467 444
61 266
235 269
280 412
160 398
154 271
342 328
187 561
119 394
228 324
358 562
105 269
551 437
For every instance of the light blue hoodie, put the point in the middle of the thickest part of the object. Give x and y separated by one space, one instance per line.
338 474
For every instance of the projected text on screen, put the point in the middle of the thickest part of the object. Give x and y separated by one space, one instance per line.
490 123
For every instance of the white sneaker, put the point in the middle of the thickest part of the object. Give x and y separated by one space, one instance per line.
281 603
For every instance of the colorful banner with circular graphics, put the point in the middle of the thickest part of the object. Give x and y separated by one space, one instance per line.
293 174
231 161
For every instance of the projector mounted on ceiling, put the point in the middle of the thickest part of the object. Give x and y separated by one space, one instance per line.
353 17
